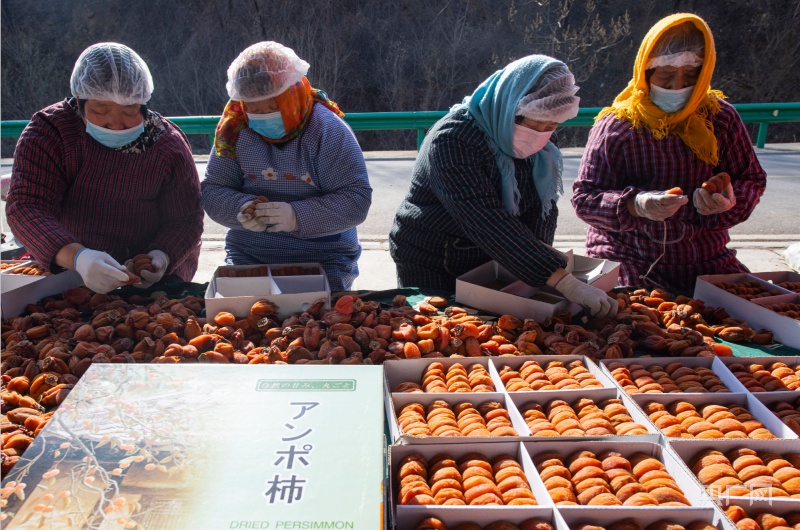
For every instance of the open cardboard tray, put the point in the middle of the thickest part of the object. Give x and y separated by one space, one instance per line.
702 506
10 281
714 363
688 449
606 518
411 370
516 362
14 301
777 277
407 517
754 507
769 399
784 329
598 395
790 360
294 294
748 401
396 401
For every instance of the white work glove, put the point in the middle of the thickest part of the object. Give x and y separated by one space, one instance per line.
595 300
658 205
277 216
100 272
708 204
159 260
249 222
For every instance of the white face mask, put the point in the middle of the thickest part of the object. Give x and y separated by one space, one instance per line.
670 100
528 141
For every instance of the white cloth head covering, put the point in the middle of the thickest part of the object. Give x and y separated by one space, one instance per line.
682 45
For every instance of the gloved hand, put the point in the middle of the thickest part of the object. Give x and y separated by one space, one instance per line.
249 222
658 205
595 300
160 262
277 216
100 272
708 204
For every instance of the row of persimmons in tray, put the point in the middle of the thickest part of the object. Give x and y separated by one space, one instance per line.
582 478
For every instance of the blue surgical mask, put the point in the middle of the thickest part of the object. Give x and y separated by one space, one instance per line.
670 100
269 125
111 138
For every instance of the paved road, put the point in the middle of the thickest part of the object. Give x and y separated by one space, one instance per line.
775 219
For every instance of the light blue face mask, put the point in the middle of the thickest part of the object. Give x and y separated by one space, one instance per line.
269 125
111 138
670 100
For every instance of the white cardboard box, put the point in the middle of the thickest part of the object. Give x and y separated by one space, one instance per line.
491 287
686 450
748 401
10 281
765 361
407 517
785 329
692 490
753 507
237 295
396 401
411 370
598 395
14 301
715 364
607 517
777 277
516 362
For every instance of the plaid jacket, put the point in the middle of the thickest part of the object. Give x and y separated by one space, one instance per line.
68 188
453 219
619 162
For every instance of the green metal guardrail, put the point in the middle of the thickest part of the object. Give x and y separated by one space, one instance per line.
761 113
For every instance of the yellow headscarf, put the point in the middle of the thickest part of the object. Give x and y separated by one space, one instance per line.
690 123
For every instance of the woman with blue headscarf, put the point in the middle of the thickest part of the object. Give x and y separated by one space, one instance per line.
485 187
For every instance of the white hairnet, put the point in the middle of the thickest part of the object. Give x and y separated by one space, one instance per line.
263 71
681 45
552 97
112 72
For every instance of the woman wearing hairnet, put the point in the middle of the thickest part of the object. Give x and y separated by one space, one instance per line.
284 140
668 129
100 178
485 186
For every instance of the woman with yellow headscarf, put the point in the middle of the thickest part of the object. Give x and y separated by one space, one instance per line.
283 140
668 129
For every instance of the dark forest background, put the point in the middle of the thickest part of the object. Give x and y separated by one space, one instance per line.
383 55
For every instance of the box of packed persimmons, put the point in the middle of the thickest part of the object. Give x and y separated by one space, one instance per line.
757 301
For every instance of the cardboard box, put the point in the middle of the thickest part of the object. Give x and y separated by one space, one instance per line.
516 363
294 294
210 446
411 370
785 329
598 395
491 287
761 413
770 399
10 281
688 449
754 507
407 516
700 501
606 517
715 364
396 401
14 301
788 395
777 277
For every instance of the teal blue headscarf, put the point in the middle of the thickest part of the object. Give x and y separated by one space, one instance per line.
493 106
